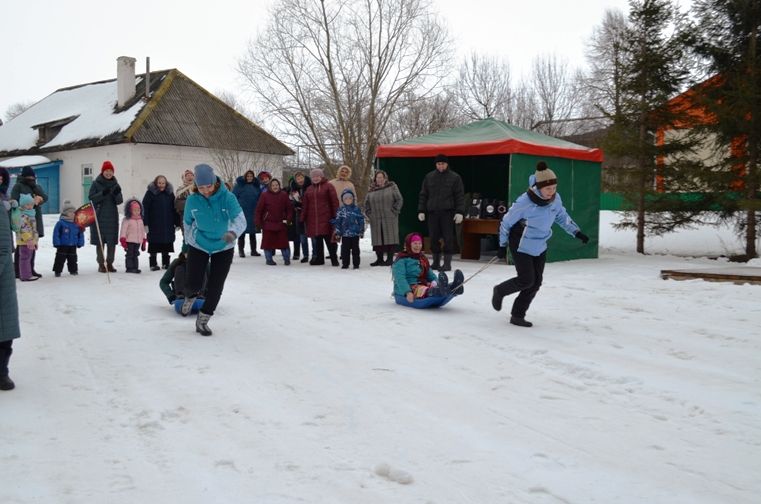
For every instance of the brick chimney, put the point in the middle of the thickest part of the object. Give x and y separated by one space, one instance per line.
125 80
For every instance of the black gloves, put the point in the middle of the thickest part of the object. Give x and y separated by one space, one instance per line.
106 191
117 190
581 236
502 252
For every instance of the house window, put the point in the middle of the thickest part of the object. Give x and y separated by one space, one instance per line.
87 170
47 131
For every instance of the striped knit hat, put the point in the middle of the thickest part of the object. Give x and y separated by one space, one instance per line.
544 176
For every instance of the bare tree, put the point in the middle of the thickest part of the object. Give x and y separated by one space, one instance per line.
421 116
16 109
525 107
605 53
555 88
334 73
233 101
483 88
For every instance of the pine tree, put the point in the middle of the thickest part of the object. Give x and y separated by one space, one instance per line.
653 71
728 41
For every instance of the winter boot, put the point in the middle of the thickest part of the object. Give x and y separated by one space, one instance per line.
334 260
101 268
436 261
390 259
447 266
242 246
110 267
520 322
379 259
496 297
187 305
202 324
443 280
5 381
268 254
456 286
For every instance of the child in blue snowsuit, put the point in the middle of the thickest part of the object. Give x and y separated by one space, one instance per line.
349 228
525 229
67 238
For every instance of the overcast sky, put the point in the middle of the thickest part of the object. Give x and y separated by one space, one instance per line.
50 44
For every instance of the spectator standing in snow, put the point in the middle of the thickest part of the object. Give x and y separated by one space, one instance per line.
106 196
525 229
132 235
181 195
27 238
299 184
350 227
248 190
343 182
383 204
442 202
27 184
213 221
9 320
67 238
319 206
273 214
159 218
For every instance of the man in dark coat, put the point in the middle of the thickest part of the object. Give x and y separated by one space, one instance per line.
298 185
442 202
27 184
106 195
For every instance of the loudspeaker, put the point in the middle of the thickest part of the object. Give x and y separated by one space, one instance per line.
489 209
501 208
474 211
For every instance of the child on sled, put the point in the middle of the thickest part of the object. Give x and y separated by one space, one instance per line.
413 277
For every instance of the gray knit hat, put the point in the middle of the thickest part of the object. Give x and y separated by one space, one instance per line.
544 176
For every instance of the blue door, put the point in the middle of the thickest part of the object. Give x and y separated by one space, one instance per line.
48 178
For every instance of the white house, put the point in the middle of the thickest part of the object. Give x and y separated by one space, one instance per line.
164 125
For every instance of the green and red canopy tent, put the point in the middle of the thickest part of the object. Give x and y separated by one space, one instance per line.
495 160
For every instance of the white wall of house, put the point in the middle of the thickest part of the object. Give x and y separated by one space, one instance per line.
136 165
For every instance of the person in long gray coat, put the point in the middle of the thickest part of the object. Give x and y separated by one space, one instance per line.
106 195
383 203
9 321
27 184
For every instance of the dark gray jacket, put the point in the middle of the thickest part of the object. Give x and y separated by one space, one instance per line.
106 209
442 191
9 324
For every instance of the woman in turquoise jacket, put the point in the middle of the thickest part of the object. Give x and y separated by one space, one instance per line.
525 229
212 220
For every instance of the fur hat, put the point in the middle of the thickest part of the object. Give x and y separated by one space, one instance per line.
441 158
25 199
263 174
107 165
316 172
27 171
544 176
204 175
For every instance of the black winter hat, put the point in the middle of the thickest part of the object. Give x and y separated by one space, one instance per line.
441 158
27 171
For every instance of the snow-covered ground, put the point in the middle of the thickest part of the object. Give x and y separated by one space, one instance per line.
628 389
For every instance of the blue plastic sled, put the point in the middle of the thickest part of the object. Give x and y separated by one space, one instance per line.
428 302
197 304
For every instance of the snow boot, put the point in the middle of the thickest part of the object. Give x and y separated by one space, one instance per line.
447 266
457 283
334 260
101 268
379 259
202 324
390 259
443 280
110 267
436 261
520 322
497 297
5 381
187 305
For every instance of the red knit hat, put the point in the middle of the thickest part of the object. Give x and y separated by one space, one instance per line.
107 165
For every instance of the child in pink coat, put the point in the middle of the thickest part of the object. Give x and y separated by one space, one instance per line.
132 235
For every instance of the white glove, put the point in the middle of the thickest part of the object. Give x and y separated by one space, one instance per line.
146 229
458 218
434 283
421 216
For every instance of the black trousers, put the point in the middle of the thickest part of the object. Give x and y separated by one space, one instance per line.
131 260
530 271
251 239
319 250
110 253
441 226
5 356
350 247
219 266
65 255
153 261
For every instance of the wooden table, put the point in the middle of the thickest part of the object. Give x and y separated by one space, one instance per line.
472 230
